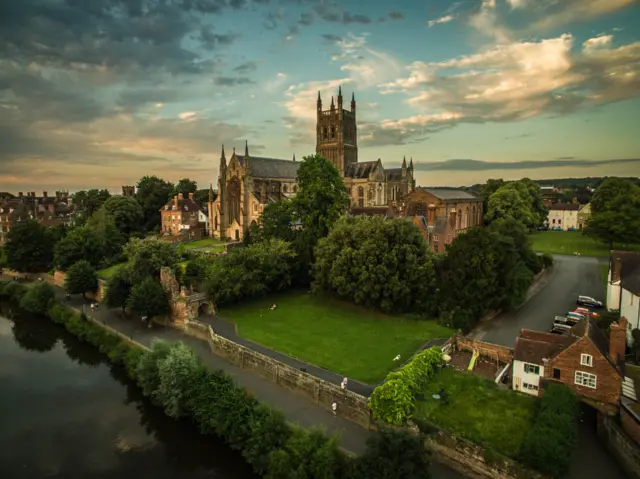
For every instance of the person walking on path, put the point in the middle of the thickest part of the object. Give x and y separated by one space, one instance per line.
343 384
334 408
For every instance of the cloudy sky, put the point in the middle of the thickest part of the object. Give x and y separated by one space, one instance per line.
97 93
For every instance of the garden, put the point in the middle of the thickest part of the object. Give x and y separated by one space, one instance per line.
570 242
478 410
207 245
357 342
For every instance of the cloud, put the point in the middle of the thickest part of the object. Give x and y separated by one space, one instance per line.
558 14
232 81
366 66
330 38
275 84
523 135
444 19
476 165
246 67
397 15
517 81
333 14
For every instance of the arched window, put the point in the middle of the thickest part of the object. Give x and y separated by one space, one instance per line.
360 196
466 217
333 132
324 132
234 200
285 189
295 188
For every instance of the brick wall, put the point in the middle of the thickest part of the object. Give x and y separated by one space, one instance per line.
351 406
608 381
503 353
630 423
623 448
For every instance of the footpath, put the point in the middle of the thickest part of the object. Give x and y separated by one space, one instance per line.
297 409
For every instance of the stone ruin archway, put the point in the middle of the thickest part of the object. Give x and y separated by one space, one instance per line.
184 303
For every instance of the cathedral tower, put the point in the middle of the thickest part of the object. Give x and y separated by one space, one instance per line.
336 132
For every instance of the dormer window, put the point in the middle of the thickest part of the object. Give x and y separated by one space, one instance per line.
586 360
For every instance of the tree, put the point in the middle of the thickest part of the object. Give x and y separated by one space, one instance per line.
126 212
489 188
394 454
118 290
38 298
378 263
538 208
29 248
252 271
80 278
147 298
202 196
615 212
147 256
80 244
511 201
185 186
152 193
112 240
276 221
88 202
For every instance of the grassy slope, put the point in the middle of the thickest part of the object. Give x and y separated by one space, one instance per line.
335 335
569 242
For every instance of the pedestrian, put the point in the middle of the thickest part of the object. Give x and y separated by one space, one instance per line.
334 408
92 307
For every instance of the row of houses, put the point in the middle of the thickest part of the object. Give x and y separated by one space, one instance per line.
47 210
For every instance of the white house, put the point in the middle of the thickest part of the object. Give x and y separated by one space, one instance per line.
203 218
623 288
563 215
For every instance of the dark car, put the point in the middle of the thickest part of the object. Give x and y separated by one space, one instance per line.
588 301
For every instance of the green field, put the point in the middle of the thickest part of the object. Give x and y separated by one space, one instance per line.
569 242
209 245
106 273
479 411
339 336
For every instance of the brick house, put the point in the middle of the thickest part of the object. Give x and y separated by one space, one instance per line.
442 213
583 359
563 215
11 213
181 218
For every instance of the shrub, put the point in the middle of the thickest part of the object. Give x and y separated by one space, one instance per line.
549 444
547 260
148 299
147 372
38 298
393 401
175 373
80 278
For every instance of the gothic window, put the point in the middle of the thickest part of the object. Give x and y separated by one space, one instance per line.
333 132
284 188
274 188
295 188
474 216
360 196
234 200
215 223
370 194
466 218
324 132
350 190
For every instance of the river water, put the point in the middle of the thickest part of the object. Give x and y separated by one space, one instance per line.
66 413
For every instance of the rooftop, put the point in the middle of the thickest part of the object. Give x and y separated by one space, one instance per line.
449 193
262 167
564 207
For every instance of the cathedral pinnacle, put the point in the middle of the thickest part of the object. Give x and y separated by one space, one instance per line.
404 162
332 104
246 148
223 157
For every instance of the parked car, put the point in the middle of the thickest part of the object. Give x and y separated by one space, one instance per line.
571 229
586 312
557 331
556 228
576 316
588 301
542 228
570 320
561 323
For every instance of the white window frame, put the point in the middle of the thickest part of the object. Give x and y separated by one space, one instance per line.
530 387
586 360
582 379
535 369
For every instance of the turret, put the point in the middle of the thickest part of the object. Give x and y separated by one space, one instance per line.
411 165
319 102
333 107
340 98
404 166
246 148
223 160
353 102
210 193
294 157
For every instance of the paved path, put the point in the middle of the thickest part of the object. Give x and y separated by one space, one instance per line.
570 276
296 408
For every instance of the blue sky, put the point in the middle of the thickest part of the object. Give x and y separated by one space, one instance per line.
98 94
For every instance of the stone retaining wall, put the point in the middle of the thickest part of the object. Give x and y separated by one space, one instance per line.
623 447
351 406
630 423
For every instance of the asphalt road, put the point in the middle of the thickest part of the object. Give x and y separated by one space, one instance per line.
571 276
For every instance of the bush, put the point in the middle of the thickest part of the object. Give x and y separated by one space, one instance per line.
393 401
547 260
38 298
80 278
148 299
549 444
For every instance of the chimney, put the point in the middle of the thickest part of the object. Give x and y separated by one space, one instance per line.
20 194
431 215
191 196
180 196
44 194
33 194
618 340
175 202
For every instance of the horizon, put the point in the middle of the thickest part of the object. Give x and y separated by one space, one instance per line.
99 96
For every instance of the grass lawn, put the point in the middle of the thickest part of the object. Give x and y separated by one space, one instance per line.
568 242
335 335
479 411
211 245
106 273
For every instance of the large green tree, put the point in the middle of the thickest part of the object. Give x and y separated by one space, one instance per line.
82 243
29 248
90 201
511 201
185 186
486 190
152 193
80 278
202 196
38 298
126 212
118 289
112 239
378 263
538 208
148 299
615 212
147 256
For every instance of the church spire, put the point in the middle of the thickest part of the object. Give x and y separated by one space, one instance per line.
319 102
332 104
223 157
404 162
246 148
210 193
294 157
353 102
411 163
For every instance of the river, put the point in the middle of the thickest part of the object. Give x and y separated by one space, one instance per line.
66 413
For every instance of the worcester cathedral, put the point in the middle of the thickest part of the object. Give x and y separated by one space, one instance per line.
247 183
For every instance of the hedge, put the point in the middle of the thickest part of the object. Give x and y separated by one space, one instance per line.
174 378
549 445
394 400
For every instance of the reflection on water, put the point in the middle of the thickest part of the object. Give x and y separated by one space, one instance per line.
66 413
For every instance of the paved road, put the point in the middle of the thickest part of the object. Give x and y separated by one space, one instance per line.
571 276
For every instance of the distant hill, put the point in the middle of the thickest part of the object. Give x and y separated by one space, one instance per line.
567 183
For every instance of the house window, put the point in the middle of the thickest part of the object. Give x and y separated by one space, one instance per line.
556 373
435 237
295 189
435 248
531 387
585 379
531 369
586 360
559 222
553 221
